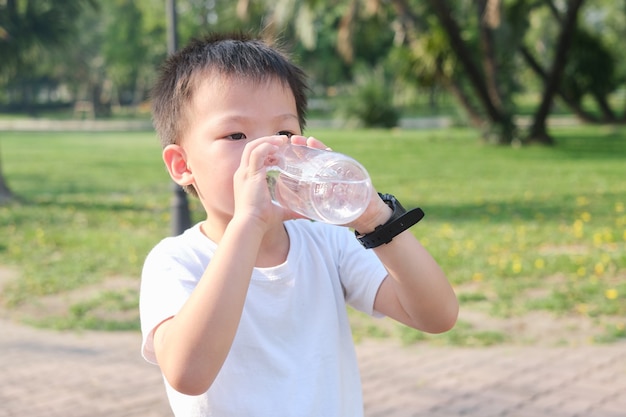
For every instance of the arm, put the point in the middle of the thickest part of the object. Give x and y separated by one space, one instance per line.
192 346
416 291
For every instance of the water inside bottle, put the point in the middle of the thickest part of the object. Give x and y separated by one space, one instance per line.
335 193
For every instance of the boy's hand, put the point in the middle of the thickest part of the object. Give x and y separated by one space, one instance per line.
376 213
311 142
252 197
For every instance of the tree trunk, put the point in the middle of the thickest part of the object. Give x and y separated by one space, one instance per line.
605 108
11 10
554 11
573 105
490 66
502 121
5 193
538 131
410 22
476 120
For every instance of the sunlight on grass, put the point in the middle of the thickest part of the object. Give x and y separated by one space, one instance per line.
516 230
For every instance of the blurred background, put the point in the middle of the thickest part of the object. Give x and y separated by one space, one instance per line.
504 119
492 64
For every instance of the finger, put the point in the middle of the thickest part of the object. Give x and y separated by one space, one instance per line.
261 148
298 140
315 143
260 156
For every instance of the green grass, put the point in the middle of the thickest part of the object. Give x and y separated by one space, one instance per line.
516 230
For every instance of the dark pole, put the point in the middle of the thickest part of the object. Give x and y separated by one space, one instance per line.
181 218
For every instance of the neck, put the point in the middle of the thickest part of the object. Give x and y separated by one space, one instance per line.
274 247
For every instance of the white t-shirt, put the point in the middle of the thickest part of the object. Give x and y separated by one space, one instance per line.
293 353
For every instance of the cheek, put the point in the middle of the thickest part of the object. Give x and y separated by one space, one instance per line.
213 175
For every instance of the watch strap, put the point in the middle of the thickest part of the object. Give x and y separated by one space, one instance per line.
400 221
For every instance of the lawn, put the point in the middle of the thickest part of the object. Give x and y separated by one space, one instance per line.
534 232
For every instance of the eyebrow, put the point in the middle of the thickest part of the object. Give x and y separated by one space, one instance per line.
287 116
242 118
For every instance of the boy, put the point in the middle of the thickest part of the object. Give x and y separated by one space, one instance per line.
245 312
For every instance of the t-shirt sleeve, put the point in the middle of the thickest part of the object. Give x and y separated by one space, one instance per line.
361 273
166 283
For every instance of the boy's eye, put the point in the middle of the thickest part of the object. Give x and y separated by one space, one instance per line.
286 133
236 136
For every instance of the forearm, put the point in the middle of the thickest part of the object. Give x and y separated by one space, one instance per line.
417 292
420 285
192 346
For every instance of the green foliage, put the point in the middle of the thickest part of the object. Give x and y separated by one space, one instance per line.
613 333
370 100
124 48
591 67
108 310
32 34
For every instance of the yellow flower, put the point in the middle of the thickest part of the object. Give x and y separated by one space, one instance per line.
540 263
597 239
611 294
446 230
582 271
585 216
578 228
582 201
599 268
40 235
516 267
477 277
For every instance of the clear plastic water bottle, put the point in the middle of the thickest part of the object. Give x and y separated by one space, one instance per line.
321 185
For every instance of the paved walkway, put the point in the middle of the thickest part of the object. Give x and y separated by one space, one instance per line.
52 374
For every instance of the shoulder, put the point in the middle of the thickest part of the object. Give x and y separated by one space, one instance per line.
185 246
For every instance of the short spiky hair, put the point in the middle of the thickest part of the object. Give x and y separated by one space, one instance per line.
236 55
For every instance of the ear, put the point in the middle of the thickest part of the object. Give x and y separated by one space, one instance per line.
175 159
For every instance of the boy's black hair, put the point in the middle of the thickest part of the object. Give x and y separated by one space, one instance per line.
236 54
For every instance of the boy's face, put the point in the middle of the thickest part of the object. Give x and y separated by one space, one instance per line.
224 115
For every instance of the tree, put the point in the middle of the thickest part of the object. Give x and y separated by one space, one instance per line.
474 50
592 68
538 131
28 27
32 28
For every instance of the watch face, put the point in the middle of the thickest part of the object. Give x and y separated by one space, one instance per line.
395 205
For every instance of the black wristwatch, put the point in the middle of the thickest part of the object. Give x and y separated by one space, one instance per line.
400 221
